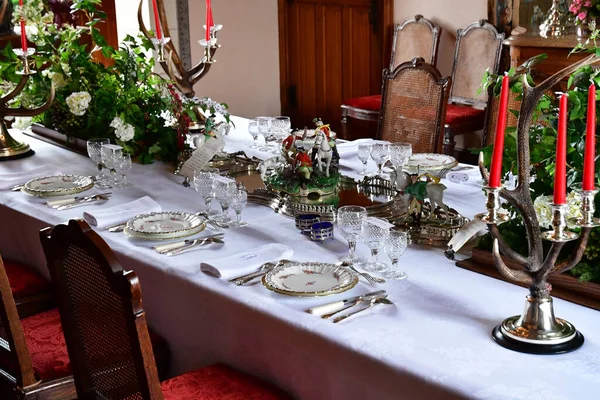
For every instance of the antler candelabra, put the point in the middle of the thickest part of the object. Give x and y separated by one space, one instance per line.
184 79
537 330
9 147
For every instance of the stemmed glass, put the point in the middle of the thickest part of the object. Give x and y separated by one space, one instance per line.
122 166
364 152
399 154
238 203
350 220
280 126
264 128
110 154
394 247
203 184
380 153
375 235
224 191
94 147
253 130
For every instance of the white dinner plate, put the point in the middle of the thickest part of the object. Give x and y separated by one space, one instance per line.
164 225
309 279
424 162
58 185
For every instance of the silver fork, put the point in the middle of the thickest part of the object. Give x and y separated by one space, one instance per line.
373 280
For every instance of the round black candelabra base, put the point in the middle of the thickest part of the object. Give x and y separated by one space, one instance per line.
532 348
18 156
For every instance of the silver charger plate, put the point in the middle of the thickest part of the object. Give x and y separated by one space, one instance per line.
58 185
164 225
424 162
309 279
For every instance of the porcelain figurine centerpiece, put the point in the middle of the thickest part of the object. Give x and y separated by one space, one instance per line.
308 166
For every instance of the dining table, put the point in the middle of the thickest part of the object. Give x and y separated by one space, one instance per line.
433 342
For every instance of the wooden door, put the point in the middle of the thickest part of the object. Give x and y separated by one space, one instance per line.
331 50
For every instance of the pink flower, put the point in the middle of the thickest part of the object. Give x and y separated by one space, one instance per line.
588 3
582 16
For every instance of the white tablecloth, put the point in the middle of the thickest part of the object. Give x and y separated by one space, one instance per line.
434 343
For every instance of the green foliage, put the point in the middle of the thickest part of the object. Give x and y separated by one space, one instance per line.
542 139
124 86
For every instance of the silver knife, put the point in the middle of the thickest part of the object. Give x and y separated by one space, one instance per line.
89 199
195 244
327 308
163 248
74 200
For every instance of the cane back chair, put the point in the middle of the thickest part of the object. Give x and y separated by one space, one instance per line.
414 37
107 336
413 106
30 365
478 48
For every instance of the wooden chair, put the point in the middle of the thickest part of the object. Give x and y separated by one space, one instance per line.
413 108
105 328
415 37
478 48
32 363
30 290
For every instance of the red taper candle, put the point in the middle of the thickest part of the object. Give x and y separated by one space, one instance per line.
209 19
560 173
589 181
496 167
157 20
23 31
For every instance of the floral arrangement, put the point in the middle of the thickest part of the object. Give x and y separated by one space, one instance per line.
542 148
121 98
585 10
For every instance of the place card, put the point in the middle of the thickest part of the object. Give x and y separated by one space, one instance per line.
383 224
200 157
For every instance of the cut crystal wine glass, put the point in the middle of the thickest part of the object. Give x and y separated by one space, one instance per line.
380 153
253 130
395 246
364 152
399 154
123 165
264 128
203 184
94 149
110 154
350 220
223 192
238 203
374 236
280 127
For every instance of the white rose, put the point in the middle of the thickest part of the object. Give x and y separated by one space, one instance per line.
78 103
123 131
22 123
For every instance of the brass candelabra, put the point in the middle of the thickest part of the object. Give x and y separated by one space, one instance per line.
11 148
537 330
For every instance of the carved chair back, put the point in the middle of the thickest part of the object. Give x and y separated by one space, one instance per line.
478 48
15 362
413 106
415 37
101 312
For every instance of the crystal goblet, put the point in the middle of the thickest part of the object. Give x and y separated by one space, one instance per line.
374 237
203 184
364 152
399 154
380 153
224 191
280 126
264 128
238 203
350 220
395 246
110 154
94 148
122 166
253 130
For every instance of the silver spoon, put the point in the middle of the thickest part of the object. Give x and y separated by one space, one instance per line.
373 303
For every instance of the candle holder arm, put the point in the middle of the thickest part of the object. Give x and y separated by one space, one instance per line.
523 277
505 249
3 8
15 92
22 111
575 257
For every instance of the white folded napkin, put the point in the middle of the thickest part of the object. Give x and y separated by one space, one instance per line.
121 213
245 262
11 179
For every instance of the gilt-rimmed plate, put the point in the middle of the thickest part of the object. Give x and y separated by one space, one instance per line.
164 225
309 279
429 162
58 185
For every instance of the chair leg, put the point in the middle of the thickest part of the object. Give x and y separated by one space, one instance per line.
449 143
